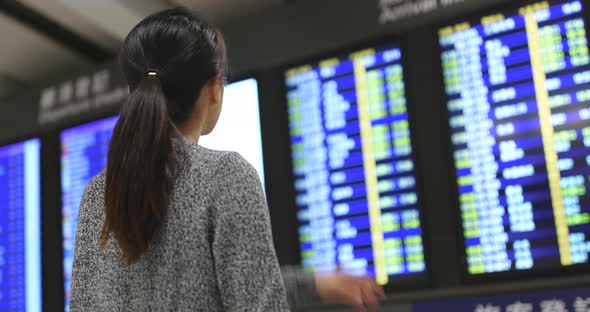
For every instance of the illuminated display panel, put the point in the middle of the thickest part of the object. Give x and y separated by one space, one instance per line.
20 227
353 163
518 87
84 151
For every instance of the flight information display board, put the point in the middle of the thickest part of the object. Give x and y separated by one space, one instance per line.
518 87
84 151
20 227
353 164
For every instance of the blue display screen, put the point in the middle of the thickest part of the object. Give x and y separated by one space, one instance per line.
20 227
84 151
354 171
554 300
518 87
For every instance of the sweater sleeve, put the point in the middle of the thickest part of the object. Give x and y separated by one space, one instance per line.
248 274
301 288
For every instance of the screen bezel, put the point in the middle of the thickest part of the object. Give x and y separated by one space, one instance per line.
468 278
404 282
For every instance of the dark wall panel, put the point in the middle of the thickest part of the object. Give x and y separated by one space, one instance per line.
277 166
307 27
425 100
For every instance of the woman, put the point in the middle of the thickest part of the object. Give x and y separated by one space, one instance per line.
171 225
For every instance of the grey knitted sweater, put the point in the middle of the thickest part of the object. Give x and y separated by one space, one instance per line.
213 252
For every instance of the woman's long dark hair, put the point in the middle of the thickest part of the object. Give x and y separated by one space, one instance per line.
167 59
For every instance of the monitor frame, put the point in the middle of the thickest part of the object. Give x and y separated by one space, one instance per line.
403 283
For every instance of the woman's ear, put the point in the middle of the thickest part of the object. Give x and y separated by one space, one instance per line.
215 88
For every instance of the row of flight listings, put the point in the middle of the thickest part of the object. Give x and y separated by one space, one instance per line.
517 91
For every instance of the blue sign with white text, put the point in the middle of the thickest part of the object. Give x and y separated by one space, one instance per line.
565 300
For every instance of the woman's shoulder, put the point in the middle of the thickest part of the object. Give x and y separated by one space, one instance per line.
93 196
218 172
95 187
219 162
232 163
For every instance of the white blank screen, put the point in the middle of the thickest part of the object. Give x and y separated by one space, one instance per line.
238 128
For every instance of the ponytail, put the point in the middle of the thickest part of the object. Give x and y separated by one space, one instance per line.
139 171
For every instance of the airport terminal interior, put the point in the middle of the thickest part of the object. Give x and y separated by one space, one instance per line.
441 147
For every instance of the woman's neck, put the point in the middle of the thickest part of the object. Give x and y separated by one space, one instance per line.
191 132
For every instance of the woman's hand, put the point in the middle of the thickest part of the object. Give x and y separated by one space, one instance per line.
359 292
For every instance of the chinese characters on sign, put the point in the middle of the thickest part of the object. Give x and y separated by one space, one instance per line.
84 94
394 10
